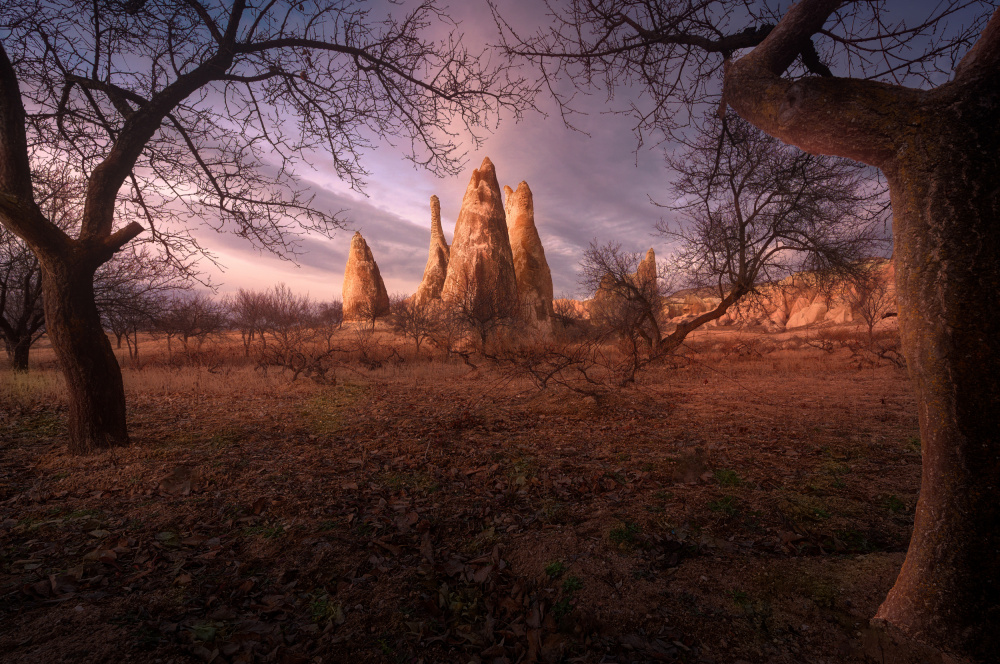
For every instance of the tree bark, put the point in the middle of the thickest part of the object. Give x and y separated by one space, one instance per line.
946 225
940 151
93 379
19 354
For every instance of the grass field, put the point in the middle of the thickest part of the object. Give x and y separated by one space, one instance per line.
726 508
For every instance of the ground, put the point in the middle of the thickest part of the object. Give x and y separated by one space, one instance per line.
733 506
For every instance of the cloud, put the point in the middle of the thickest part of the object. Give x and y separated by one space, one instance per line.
586 186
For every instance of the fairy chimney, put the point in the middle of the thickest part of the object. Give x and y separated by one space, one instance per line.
365 297
646 272
481 266
437 259
534 279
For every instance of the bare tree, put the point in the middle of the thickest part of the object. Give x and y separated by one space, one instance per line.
918 101
130 291
627 299
288 323
873 299
126 288
412 319
247 312
449 332
330 314
481 307
754 211
183 109
192 318
365 314
22 318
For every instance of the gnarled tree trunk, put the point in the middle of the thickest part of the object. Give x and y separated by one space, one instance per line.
19 353
93 377
946 223
940 150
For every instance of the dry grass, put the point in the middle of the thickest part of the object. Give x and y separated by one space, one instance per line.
728 507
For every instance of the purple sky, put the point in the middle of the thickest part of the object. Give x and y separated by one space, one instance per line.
584 187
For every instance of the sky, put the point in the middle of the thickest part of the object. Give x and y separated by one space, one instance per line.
588 185
585 187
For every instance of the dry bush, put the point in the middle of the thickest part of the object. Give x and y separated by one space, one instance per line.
413 319
750 347
867 347
594 366
570 323
192 318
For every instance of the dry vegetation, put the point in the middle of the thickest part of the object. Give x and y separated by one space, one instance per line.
748 501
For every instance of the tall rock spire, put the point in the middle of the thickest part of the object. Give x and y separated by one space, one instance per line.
481 265
365 296
437 260
646 272
534 279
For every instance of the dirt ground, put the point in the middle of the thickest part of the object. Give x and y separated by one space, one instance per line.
728 508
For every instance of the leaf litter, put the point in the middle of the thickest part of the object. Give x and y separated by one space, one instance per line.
405 521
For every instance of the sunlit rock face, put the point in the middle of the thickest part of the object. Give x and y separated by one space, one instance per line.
808 314
436 269
646 272
795 302
645 279
573 309
534 279
481 266
365 296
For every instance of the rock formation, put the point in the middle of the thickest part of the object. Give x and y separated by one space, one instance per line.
481 266
794 302
365 297
644 279
437 260
534 280
646 272
507 193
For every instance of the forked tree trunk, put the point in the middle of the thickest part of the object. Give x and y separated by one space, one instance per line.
940 151
93 377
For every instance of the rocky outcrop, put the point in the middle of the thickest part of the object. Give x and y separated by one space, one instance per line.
797 301
572 309
534 279
436 269
644 279
646 272
507 193
365 296
481 266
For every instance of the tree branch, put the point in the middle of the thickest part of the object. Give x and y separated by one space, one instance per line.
110 174
984 56
15 170
845 117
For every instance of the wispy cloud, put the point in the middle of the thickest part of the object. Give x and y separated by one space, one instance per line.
584 186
